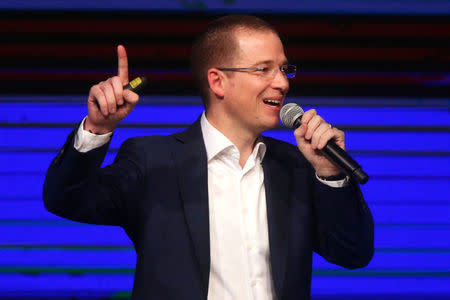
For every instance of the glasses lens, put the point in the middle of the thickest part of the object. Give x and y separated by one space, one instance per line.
289 70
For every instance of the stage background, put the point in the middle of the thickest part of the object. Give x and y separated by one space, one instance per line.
377 69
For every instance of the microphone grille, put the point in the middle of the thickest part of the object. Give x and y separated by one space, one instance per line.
290 113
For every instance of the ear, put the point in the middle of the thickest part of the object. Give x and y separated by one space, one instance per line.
216 82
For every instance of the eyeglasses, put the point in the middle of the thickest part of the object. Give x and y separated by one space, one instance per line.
269 72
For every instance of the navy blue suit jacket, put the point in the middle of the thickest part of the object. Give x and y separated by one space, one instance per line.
156 189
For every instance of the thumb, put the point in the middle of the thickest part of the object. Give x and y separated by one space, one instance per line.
130 97
302 143
300 132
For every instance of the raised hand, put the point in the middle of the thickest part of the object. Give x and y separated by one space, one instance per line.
108 103
312 136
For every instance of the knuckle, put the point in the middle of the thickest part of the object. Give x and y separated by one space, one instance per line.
337 132
102 86
113 81
317 119
95 88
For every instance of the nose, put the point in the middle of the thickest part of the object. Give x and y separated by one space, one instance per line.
280 82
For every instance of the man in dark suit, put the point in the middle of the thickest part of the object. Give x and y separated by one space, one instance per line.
217 211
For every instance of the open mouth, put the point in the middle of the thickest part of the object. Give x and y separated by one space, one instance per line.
271 102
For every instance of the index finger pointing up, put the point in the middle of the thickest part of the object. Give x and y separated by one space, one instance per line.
122 64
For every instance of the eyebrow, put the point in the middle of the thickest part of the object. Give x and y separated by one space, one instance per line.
285 62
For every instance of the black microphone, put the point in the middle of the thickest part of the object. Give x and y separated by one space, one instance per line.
291 116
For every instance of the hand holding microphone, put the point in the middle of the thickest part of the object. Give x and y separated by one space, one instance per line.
320 143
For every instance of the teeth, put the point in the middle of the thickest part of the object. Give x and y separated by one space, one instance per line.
272 101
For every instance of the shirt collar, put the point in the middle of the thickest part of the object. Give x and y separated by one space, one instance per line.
216 142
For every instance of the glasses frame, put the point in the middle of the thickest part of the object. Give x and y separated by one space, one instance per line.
282 68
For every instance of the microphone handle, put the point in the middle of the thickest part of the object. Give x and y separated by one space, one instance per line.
344 161
340 158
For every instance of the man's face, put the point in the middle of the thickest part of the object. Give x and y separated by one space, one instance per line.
253 99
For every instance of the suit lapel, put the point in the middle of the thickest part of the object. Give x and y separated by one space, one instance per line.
191 162
277 184
190 159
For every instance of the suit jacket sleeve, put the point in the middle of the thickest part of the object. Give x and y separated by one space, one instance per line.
77 188
341 226
344 225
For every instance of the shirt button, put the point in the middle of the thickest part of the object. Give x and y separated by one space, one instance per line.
256 282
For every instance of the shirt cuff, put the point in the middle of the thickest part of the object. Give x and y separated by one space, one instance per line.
335 183
86 141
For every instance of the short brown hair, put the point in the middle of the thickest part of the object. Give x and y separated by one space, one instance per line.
216 45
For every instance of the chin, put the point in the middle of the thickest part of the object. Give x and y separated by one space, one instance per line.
271 124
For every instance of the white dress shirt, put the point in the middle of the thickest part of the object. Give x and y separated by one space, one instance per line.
239 241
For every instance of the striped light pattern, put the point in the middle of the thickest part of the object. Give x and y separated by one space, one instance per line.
407 158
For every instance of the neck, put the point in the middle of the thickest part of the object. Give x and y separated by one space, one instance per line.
243 138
